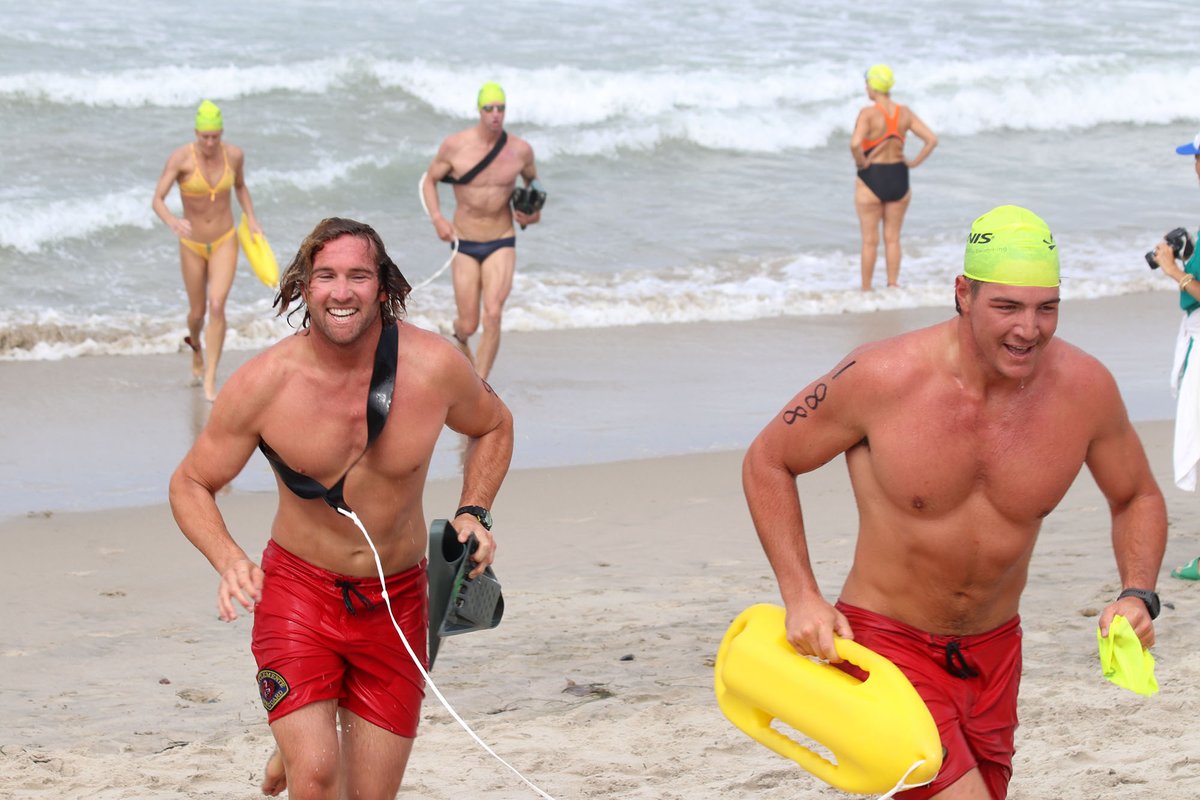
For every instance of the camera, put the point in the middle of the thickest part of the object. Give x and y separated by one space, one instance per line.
1181 245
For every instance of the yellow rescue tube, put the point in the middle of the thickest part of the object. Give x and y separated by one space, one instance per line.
877 729
258 253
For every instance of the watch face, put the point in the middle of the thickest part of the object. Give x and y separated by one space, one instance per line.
480 513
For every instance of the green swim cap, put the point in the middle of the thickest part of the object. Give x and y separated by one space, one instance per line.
490 93
880 78
208 117
1013 246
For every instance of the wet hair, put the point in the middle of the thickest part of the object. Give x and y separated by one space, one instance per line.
974 286
299 272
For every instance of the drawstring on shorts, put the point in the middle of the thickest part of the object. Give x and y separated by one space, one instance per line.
956 662
347 587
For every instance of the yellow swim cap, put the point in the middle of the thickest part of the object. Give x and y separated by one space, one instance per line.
1013 246
490 93
880 78
208 117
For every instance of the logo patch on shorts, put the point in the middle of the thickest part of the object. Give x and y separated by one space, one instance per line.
272 687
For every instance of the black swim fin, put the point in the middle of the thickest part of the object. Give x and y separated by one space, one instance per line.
458 604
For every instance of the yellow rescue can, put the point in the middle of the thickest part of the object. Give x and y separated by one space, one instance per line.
879 730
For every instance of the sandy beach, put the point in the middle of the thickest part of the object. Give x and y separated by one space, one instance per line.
121 683
620 579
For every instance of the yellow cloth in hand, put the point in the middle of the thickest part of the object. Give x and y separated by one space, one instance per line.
1124 661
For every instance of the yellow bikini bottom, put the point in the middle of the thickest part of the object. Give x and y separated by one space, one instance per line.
203 250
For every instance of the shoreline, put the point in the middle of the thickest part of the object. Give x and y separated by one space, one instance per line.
107 431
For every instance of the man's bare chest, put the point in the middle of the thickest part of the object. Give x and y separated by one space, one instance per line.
1021 465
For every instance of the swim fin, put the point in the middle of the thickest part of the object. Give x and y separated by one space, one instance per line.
458 604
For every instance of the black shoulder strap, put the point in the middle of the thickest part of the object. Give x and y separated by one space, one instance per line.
482 165
379 404
383 383
304 486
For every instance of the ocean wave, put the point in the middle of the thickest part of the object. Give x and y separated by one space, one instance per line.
747 289
172 86
32 226
28 227
745 108
327 172
748 114
572 111
1057 93
50 335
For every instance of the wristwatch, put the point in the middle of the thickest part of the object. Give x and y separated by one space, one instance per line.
478 512
1146 596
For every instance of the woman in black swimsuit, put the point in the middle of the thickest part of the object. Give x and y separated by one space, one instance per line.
881 192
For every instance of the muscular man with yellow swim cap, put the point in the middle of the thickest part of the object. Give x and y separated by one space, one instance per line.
959 438
483 220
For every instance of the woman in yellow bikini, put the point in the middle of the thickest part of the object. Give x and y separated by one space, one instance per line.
881 192
206 170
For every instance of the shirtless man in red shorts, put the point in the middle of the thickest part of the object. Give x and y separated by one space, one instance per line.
959 439
327 653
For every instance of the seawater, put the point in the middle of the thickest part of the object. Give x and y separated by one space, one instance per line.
695 154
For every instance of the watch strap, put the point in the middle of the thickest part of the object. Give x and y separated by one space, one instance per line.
478 512
1147 596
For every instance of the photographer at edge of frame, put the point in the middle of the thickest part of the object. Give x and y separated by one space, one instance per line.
1175 248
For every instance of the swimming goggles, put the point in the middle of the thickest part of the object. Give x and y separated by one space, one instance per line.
493 107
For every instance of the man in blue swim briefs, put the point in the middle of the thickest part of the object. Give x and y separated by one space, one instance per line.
959 439
342 694
483 220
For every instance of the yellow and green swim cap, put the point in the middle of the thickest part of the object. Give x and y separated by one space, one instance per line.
880 78
1013 246
208 117
490 93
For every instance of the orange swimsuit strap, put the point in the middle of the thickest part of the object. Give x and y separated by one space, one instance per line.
892 131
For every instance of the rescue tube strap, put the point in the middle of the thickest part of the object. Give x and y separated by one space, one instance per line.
482 165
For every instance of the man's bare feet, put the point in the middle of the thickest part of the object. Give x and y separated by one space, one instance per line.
210 387
274 778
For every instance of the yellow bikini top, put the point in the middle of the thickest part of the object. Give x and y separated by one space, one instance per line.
197 184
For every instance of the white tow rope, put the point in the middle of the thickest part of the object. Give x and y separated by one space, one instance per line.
901 786
424 673
453 246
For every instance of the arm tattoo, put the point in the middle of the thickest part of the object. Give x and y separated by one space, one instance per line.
843 369
812 400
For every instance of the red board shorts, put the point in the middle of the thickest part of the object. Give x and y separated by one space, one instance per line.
969 684
319 636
